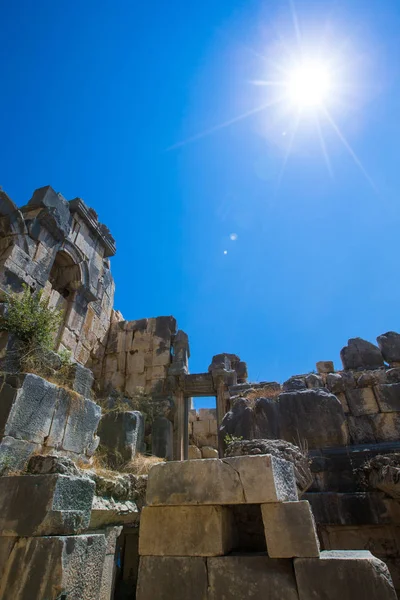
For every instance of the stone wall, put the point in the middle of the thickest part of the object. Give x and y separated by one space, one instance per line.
61 247
203 429
138 355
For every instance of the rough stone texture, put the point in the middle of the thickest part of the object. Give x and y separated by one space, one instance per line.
290 529
14 454
186 531
44 504
107 512
294 384
388 396
50 464
344 576
110 563
360 354
52 568
325 366
208 452
122 433
162 438
362 401
383 473
279 449
194 453
36 414
315 417
389 344
172 578
252 577
81 379
237 480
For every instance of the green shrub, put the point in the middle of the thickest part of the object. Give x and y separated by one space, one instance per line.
31 320
34 324
228 439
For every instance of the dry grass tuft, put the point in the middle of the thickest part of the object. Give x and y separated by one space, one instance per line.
141 464
264 392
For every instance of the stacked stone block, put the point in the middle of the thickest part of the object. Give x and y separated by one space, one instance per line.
203 429
138 355
37 415
45 550
188 540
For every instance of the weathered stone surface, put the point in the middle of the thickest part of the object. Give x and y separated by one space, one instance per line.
360 354
14 454
353 509
186 531
294 384
361 401
314 381
388 396
371 378
194 453
83 419
279 449
107 511
162 438
252 577
345 576
290 529
30 414
209 452
313 416
55 213
52 568
122 433
389 344
81 379
340 382
325 366
50 464
383 473
44 504
237 480
172 578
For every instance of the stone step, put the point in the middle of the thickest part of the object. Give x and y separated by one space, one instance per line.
238 480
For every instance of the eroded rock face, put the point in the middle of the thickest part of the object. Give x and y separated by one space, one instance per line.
360 354
383 473
280 449
311 416
389 344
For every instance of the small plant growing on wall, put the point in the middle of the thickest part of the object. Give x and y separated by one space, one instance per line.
33 323
229 439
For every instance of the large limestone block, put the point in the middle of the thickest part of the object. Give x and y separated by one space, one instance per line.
122 433
172 578
83 419
341 575
186 531
313 416
360 354
251 577
162 438
389 344
290 529
52 568
236 480
32 505
362 401
388 396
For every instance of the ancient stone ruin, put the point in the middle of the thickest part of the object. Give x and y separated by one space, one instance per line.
113 487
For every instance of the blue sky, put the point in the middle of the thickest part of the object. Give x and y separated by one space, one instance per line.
96 98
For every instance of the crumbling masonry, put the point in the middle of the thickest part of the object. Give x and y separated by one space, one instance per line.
258 518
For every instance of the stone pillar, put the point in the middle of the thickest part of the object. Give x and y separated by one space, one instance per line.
162 438
180 424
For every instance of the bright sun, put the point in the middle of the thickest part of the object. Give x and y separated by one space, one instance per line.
309 84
